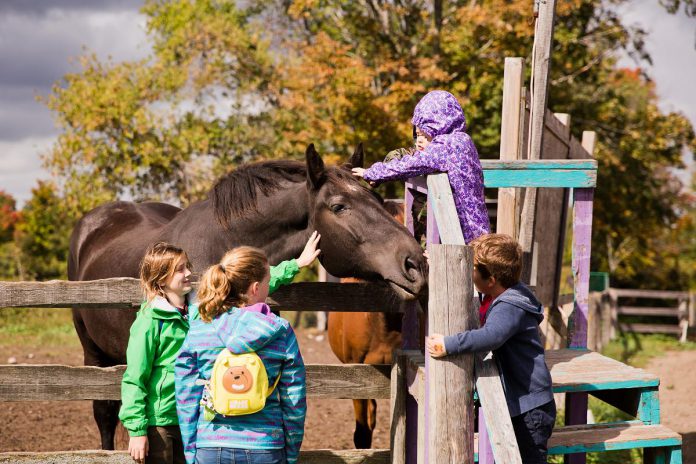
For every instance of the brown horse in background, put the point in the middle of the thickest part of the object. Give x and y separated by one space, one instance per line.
366 338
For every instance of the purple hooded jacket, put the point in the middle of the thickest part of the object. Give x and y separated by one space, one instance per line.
451 150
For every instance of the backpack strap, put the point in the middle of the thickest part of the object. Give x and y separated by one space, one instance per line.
275 384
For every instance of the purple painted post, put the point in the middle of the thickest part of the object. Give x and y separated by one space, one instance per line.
410 333
576 403
485 449
432 235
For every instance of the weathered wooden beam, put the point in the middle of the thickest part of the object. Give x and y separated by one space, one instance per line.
657 294
34 382
500 431
442 203
368 456
397 407
510 146
450 423
124 292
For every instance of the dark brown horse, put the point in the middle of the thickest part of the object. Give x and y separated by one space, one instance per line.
272 205
366 338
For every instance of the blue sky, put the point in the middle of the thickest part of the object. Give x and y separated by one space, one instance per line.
38 39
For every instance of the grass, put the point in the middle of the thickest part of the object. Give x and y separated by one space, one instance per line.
37 327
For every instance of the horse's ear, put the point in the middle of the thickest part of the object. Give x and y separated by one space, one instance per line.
315 167
356 160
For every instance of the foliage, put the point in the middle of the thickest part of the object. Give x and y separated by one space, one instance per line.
44 234
230 82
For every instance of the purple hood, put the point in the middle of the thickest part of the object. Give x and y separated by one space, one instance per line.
439 113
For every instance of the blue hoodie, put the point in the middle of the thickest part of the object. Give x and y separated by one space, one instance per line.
511 331
241 330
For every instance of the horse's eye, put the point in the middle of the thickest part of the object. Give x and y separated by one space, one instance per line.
337 207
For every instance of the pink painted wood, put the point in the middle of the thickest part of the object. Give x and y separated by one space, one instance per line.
410 331
576 403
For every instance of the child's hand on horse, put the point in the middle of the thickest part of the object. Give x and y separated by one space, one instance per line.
359 172
310 252
138 448
436 345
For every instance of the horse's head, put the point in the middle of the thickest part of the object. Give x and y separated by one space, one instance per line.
359 236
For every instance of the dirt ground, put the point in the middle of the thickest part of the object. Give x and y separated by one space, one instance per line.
677 406
68 425
55 426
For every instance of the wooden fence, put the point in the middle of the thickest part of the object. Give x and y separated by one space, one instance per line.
674 313
71 383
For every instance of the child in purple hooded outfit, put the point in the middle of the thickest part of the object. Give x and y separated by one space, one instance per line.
442 146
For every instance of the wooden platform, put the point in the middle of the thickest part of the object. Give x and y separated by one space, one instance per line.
586 371
611 437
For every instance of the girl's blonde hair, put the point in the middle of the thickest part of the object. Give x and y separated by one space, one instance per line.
158 265
223 285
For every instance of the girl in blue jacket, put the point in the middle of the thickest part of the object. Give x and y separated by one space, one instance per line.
233 315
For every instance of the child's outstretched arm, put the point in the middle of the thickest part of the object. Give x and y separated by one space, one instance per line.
293 397
284 272
188 398
500 326
418 164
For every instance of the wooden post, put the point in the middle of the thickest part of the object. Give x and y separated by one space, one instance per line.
510 135
543 42
451 379
576 403
397 433
410 334
683 319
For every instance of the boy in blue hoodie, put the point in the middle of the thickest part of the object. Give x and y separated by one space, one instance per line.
511 330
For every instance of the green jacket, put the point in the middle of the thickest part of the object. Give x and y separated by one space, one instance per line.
156 336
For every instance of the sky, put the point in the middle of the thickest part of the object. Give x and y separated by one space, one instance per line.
40 39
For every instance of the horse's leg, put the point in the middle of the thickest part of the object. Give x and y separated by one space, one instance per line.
362 437
106 416
105 411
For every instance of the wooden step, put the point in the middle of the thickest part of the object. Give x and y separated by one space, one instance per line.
609 437
580 370
592 438
650 328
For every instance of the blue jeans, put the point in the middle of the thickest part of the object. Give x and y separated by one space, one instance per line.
239 456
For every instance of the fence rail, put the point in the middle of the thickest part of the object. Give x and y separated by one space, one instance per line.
35 382
609 311
367 456
125 292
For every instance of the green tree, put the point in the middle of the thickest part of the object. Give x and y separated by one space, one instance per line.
230 82
44 234
10 218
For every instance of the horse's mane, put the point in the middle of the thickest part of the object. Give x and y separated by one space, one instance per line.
235 194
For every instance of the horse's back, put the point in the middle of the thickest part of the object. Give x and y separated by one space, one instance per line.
105 241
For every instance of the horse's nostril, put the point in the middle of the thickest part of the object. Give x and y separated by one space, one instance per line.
411 267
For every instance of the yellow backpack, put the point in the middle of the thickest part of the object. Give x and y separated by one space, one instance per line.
238 385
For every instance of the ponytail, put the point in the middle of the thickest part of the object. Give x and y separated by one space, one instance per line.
223 285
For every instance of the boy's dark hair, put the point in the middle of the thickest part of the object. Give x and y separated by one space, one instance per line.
498 255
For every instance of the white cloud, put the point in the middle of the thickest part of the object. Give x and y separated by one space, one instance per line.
671 42
36 47
21 166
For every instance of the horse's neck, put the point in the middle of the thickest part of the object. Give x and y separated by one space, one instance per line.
279 226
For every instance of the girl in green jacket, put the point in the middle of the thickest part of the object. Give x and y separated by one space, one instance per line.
148 409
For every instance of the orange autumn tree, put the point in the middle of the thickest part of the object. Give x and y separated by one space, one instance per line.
229 83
